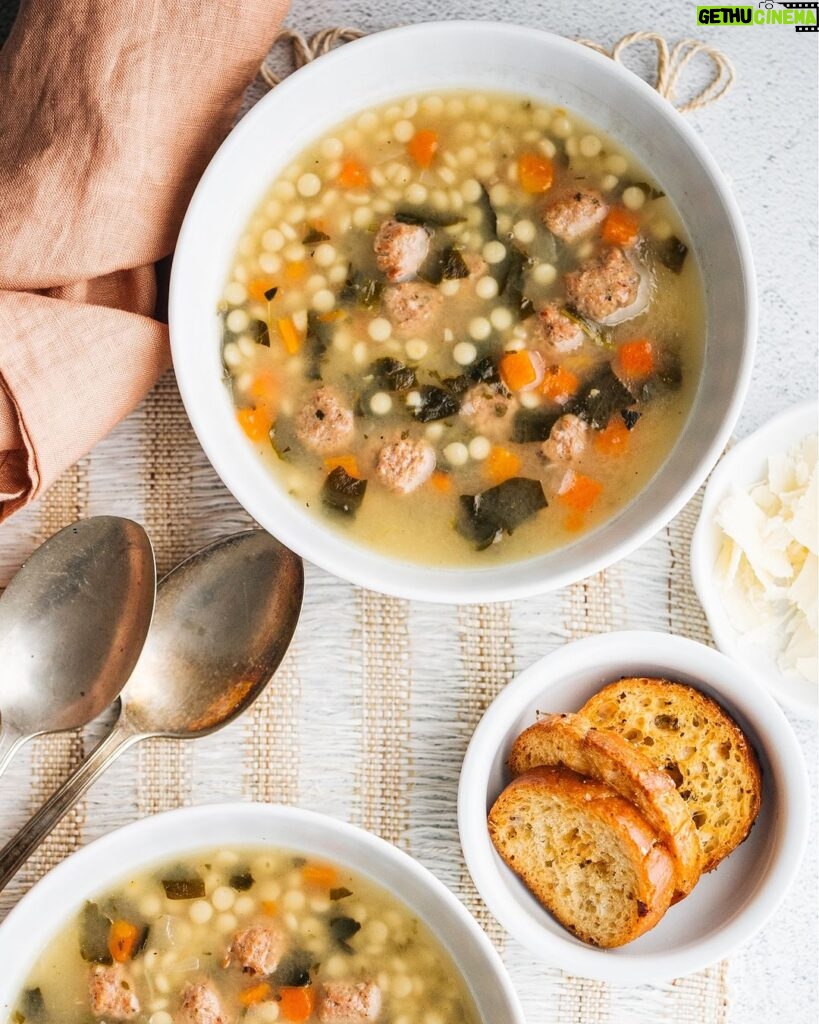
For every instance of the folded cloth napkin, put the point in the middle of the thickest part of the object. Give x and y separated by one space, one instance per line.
110 112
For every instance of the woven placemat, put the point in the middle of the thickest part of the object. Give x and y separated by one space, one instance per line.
370 714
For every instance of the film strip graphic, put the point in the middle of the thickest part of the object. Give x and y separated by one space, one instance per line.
803 7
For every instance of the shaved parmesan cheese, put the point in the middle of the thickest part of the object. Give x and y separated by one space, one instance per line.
767 564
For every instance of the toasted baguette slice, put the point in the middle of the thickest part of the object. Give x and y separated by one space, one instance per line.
700 746
571 741
587 854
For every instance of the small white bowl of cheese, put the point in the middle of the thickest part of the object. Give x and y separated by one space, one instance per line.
754 556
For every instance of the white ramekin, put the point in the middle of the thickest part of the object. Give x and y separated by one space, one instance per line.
729 905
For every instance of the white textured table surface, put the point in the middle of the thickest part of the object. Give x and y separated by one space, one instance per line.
764 136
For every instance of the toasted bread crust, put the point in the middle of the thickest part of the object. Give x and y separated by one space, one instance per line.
688 735
605 831
573 742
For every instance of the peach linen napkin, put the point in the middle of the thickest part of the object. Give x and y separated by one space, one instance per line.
110 111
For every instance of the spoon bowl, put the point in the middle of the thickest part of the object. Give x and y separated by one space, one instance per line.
73 622
224 619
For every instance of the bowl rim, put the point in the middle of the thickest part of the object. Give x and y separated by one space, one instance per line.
395 576
71 875
798 696
740 690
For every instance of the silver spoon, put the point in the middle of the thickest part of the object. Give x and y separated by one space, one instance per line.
222 623
72 624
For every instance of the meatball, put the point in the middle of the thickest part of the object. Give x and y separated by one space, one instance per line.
200 1004
566 441
555 333
603 285
574 215
324 423
405 465
111 994
344 1002
488 411
412 306
400 249
257 950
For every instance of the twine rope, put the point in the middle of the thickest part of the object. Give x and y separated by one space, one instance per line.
670 62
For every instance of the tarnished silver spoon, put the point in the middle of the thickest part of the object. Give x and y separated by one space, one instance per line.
73 622
222 624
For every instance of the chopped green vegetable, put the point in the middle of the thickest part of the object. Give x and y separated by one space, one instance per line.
342 929
314 236
630 417
601 398
360 290
32 1007
453 265
260 333
428 218
671 253
316 342
436 404
342 492
533 425
340 893
241 881
490 217
94 930
650 191
595 332
190 888
512 280
393 375
485 517
294 969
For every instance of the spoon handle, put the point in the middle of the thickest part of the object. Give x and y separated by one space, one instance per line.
10 743
17 851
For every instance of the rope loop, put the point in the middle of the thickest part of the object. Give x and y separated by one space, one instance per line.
670 64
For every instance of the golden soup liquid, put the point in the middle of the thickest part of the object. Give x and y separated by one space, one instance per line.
426 291
301 937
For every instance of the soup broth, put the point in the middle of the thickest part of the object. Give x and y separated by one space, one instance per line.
256 935
463 328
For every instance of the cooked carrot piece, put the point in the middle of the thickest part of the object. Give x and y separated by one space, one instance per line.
269 907
517 370
620 227
423 146
258 286
263 385
442 482
353 174
255 994
613 440
332 316
295 271
574 521
558 383
290 336
581 493
535 172
348 463
319 874
501 465
255 423
122 938
636 358
296 1004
